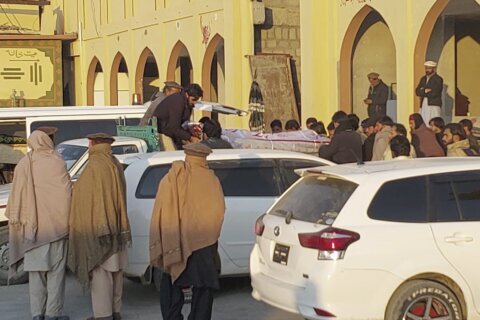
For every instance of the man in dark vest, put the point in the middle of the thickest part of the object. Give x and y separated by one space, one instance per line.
377 97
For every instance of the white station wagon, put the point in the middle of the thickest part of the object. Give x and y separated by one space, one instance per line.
251 181
385 240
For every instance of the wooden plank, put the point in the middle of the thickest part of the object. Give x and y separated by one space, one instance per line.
26 2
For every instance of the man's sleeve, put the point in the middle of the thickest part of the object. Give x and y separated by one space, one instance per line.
420 90
326 152
173 127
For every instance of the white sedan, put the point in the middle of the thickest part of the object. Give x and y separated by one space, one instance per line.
251 181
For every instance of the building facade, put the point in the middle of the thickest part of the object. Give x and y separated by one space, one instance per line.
344 40
113 49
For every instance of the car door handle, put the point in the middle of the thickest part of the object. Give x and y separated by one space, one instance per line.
458 237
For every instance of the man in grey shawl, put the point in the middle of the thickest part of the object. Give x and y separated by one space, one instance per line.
38 212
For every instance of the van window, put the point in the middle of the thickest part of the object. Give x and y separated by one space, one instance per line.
317 199
148 185
125 149
403 200
247 177
13 128
74 129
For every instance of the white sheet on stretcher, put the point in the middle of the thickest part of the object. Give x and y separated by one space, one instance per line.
306 141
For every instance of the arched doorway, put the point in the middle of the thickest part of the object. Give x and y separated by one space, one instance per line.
95 84
147 81
119 87
179 65
213 70
450 35
368 46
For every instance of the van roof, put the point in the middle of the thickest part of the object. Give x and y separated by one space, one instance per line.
16 113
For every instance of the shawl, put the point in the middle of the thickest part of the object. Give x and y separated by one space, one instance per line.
99 225
39 203
187 215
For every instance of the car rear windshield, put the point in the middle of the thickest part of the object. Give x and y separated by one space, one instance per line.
317 199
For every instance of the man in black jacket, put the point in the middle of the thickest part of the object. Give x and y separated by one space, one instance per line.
346 144
174 111
429 90
377 97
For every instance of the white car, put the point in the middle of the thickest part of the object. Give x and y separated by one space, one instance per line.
385 240
75 154
251 181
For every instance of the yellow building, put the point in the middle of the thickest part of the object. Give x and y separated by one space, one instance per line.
113 49
344 40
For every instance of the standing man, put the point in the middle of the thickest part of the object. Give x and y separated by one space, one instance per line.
38 209
377 97
429 90
186 223
170 88
99 228
174 111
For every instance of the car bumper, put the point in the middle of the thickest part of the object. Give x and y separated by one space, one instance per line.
346 293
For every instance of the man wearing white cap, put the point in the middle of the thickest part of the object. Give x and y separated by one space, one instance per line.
430 92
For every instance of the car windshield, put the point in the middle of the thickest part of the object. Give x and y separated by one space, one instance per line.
316 198
71 153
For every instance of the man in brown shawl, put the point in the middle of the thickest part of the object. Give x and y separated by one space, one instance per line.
37 210
186 223
99 228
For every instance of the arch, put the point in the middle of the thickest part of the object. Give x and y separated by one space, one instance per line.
208 59
180 51
422 43
93 68
142 85
346 54
119 65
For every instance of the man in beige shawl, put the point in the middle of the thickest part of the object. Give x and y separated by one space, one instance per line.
37 210
99 228
186 223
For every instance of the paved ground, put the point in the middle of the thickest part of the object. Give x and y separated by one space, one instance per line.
233 302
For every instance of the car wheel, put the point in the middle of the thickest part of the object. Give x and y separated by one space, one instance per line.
423 299
21 276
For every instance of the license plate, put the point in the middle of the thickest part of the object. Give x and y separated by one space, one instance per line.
280 254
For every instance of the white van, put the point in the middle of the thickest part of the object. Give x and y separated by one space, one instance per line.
72 122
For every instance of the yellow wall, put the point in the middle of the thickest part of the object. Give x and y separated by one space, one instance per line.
130 26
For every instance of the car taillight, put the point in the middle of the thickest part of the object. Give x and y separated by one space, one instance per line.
259 226
331 242
323 313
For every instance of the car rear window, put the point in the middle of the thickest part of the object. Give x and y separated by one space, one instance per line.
317 199
403 200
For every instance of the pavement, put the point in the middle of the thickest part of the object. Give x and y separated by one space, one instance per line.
233 301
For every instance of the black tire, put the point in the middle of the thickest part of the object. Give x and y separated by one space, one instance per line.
22 276
418 298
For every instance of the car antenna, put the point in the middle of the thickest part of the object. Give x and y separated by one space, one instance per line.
359 159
